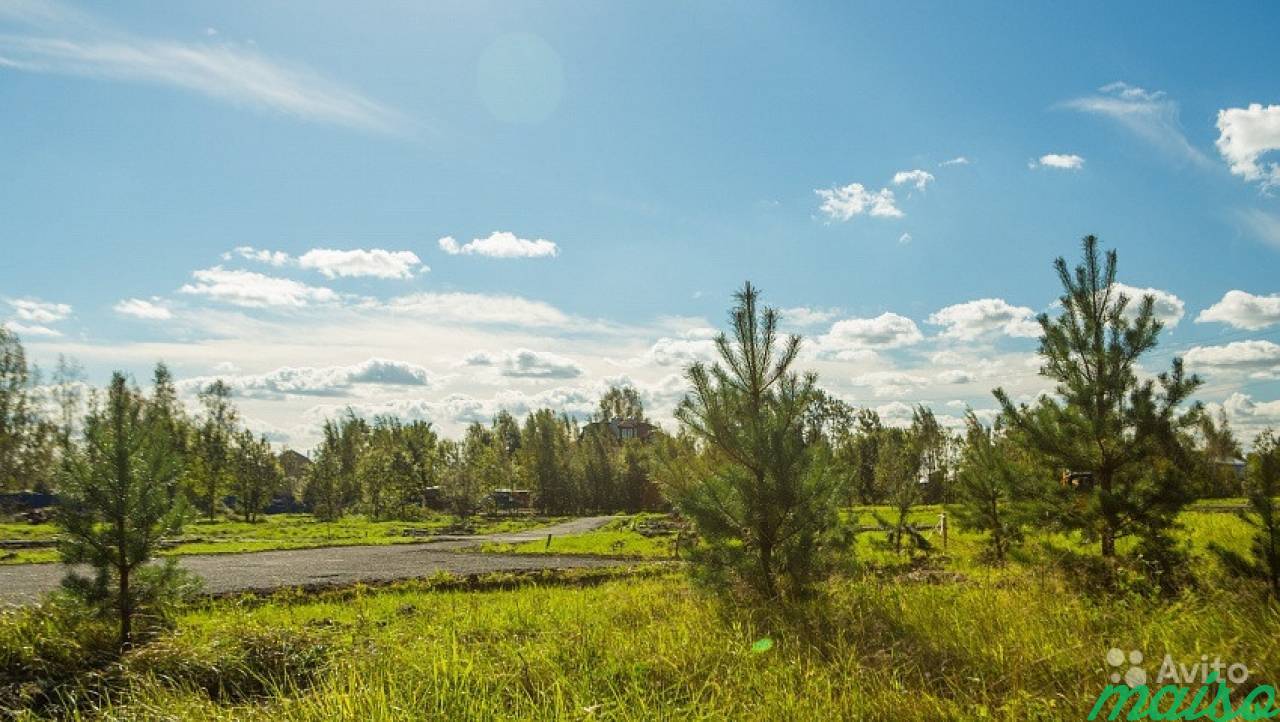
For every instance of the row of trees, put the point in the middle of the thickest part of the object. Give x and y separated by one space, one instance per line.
388 468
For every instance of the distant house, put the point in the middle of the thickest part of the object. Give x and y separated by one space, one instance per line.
511 499
623 429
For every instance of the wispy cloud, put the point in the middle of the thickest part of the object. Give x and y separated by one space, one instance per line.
1151 115
57 40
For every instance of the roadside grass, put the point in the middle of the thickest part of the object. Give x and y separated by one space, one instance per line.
280 531
652 647
621 537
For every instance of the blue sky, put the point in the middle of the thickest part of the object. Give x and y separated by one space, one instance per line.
662 153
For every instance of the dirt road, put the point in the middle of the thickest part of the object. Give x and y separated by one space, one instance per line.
334 566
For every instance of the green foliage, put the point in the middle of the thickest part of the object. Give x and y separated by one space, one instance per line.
996 487
26 438
256 474
1263 485
213 441
116 506
759 494
1128 433
897 472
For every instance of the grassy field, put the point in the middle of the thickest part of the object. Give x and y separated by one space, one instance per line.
926 639
619 538
1023 647
278 531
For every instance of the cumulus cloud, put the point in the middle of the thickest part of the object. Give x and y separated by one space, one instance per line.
356 263
254 290
974 319
1243 411
954 377
1241 309
680 352
64 42
1244 136
152 310
918 178
37 311
500 244
1168 308
806 316
271 258
1256 359
1151 115
1062 161
319 380
851 338
889 383
527 364
844 202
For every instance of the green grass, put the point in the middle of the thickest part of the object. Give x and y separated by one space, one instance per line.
618 538
277 531
1019 642
653 648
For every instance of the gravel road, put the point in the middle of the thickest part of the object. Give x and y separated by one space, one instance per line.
335 566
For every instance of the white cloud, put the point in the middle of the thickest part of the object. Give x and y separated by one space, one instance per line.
524 363
680 351
222 71
905 238
1241 309
955 376
272 258
973 319
1064 161
23 329
356 263
254 290
478 308
319 381
1151 115
889 383
1242 410
845 202
1256 359
958 160
142 308
501 244
1246 134
918 178
30 309
806 316
1168 308
852 337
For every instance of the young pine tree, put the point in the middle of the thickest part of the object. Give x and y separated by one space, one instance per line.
116 506
993 486
759 496
1262 482
1128 433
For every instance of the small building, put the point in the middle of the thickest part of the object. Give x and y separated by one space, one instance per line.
511 499
623 429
